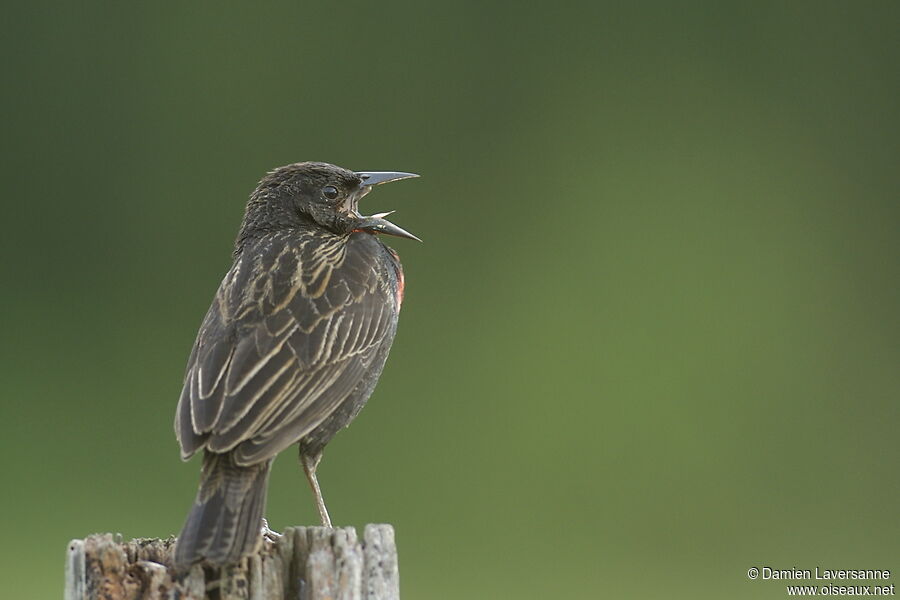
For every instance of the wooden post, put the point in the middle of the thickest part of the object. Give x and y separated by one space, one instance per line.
305 563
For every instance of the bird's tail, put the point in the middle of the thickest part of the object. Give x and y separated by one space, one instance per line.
225 521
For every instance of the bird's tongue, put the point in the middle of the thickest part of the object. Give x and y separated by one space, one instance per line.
351 205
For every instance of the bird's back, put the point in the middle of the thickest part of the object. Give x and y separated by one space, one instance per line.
300 325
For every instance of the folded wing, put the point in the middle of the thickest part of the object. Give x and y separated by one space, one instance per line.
291 333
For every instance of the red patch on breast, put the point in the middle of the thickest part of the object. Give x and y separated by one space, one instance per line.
401 282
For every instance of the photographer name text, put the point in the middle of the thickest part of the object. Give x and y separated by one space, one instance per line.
825 574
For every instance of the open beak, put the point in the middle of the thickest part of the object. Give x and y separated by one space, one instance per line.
371 178
377 223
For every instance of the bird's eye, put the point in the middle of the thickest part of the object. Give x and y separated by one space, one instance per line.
330 192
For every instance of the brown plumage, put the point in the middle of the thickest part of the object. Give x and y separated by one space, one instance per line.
290 349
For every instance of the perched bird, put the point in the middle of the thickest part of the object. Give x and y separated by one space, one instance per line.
289 351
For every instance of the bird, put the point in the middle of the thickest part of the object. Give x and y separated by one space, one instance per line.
290 349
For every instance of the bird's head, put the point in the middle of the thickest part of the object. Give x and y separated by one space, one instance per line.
327 194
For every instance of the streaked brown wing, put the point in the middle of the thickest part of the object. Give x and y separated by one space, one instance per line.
292 331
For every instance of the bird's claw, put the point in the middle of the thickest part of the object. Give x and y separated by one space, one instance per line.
269 534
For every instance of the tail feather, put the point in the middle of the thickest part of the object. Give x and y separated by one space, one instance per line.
225 520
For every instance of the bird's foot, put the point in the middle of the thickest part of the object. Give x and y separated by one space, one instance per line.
269 534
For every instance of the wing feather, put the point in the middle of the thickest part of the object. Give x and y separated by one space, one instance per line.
291 334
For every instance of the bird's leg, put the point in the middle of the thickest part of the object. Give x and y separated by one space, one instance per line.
310 462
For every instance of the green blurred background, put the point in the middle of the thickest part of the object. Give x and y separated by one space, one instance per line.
650 341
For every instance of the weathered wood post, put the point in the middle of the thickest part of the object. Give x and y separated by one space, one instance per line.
305 563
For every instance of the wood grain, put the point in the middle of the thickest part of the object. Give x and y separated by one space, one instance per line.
304 563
